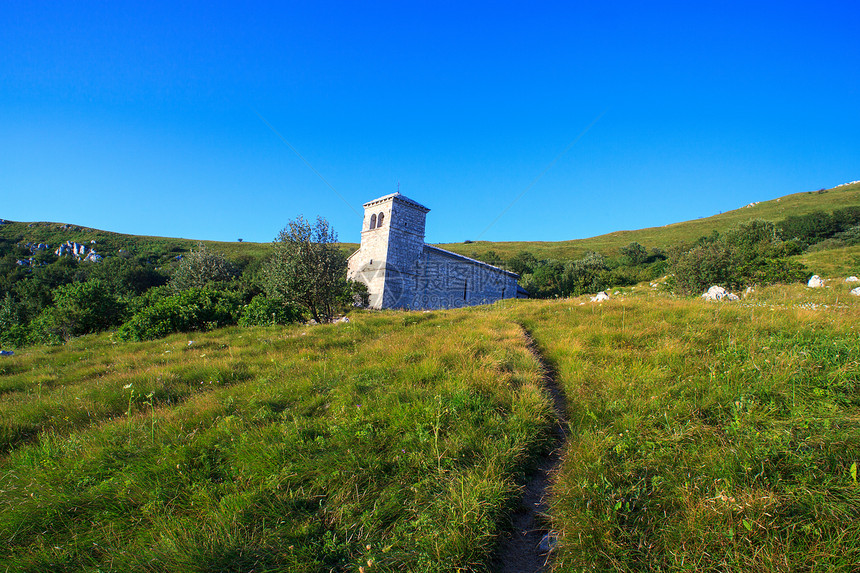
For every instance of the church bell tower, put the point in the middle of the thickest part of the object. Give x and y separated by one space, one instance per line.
392 240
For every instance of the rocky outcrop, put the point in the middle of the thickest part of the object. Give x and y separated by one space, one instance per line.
37 247
79 251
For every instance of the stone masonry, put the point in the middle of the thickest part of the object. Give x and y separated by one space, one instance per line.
400 271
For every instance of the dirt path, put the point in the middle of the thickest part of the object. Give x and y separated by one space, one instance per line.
524 549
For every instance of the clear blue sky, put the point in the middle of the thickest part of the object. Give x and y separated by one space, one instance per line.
144 118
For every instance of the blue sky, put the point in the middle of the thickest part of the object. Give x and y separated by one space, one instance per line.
145 118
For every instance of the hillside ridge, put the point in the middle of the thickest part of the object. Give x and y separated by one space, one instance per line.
843 195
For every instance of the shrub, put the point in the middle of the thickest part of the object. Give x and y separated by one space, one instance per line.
79 308
202 268
125 276
264 311
12 330
585 275
83 308
635 253
193 309
751 253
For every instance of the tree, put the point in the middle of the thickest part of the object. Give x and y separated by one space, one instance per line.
79 308
201 268
308 269
635 252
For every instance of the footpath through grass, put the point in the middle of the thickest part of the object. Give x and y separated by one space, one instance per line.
393 442
707 436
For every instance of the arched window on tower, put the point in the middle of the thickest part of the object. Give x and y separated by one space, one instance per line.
373 221
380 219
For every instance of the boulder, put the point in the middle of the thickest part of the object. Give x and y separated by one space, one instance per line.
719 293
600 297
852 279
855 291
815 282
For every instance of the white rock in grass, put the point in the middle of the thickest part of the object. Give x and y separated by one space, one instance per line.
815 282
600 297
719 293
856 291
852 279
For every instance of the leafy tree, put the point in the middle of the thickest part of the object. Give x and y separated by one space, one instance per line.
585 275
523 263
202 268
308 269
35 292
80 308
635 253
491 258
125 276
13 332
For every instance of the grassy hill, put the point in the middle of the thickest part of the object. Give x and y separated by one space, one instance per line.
703 437
165 248
774 210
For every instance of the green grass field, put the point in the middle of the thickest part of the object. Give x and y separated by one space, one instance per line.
394 441
707 436
704 437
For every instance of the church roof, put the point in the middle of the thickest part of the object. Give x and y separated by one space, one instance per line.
397 197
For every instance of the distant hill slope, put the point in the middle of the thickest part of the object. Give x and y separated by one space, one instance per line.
109 243
774 210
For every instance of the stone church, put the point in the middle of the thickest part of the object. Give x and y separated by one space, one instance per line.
401 271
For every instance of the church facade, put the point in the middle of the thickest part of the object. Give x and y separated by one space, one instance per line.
401 271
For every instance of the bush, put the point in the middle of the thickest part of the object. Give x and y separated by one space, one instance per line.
202 268
819 225
263 311
193 309
79 308
124 276
635 253
585 275
751 253
13 332
84 308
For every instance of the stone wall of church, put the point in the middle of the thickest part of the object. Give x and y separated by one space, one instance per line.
440 279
